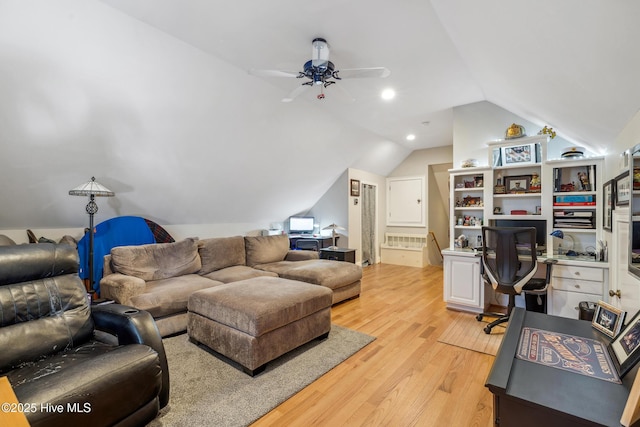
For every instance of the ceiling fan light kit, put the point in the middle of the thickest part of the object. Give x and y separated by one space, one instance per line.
320 71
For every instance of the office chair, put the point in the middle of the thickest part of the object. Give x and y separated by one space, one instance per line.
308 244
508 265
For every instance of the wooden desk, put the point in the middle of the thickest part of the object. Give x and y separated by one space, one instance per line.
528 394
9 416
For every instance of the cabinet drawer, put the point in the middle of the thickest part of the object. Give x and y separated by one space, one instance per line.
577 285
575 272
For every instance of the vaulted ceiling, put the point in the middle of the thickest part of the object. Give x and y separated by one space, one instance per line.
153 97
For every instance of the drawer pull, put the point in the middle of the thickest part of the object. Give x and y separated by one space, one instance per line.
577 286
615 293
577 273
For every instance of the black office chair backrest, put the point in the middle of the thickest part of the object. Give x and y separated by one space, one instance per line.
509 256
308 244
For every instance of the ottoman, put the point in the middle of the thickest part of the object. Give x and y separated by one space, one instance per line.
256 320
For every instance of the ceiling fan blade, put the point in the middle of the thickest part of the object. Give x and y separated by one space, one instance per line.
273 73
342 93
294 93
359 73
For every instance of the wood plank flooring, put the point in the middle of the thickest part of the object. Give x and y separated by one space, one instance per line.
405 377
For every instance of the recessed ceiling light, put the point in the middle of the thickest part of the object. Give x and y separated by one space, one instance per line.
388 94
411 137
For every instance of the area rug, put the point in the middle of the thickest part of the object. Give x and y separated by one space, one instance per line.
466 332
207 390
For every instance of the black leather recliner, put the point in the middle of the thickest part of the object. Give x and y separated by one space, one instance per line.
69 363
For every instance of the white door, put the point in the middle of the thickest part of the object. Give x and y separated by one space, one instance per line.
405 202
621 280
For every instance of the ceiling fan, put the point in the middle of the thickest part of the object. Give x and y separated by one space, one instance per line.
320 71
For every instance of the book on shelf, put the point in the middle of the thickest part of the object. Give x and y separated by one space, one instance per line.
575 200
572 214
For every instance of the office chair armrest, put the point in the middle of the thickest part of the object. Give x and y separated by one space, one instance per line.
549 263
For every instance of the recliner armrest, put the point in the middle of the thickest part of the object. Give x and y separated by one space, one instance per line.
133 326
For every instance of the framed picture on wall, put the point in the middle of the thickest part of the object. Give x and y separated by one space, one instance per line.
355 188
623 189
608 197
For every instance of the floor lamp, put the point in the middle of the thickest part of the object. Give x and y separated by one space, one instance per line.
91 189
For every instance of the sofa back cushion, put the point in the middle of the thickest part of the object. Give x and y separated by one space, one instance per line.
221 252
266 249
158 260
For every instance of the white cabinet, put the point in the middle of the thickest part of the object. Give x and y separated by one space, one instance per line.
405 201
573 283
463 285
468 194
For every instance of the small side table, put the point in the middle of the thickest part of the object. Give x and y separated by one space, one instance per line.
338 254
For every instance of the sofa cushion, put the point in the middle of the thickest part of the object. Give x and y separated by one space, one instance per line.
157 260
259 305
236 273
169 296
332 274
266 249
221 252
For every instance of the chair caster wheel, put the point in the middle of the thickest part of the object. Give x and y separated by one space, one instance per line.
487 330
479 317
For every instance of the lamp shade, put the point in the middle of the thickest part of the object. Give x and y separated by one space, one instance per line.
333 227
557 233
92 188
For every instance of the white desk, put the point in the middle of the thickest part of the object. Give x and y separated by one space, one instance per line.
572 280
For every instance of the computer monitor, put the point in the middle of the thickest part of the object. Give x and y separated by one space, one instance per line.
301 224
539 224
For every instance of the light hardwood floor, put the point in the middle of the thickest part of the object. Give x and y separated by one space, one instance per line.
405 377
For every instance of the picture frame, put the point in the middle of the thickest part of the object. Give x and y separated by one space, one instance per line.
518 155
625 347
355 188
608 197
624 160
623 189
517 184
608 319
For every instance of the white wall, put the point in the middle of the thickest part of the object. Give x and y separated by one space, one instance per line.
180 136
474 125
432 164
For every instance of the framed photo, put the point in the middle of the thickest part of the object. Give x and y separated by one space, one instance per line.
608 202
355 188
623 189
519 155
517 184
625 347
608 319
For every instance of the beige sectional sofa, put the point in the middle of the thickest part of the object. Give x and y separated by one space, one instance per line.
159 278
